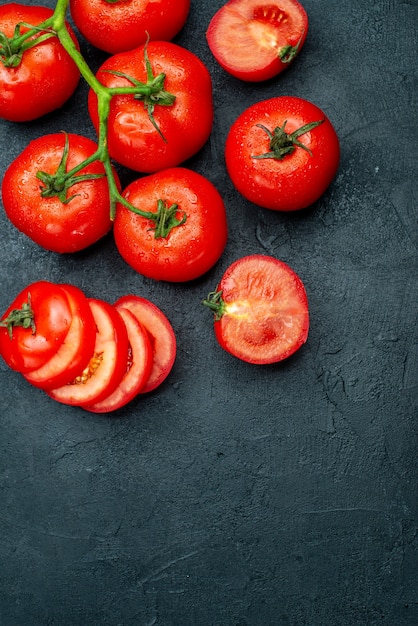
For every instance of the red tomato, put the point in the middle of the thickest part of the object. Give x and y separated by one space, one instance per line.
161 335
254 40
138 367
182 128
45 77
282 153
121 26
190 249
261 310
108 364
34 326
61 224
74 354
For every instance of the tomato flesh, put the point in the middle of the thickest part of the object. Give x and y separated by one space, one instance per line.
27 350
76 350
161 335
108 364
255 40
138 367
265 317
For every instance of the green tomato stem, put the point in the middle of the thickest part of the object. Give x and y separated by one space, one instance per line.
149 93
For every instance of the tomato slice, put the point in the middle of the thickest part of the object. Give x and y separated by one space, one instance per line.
162 337
261 310
27 342
108 364
76 350
255 40
138 367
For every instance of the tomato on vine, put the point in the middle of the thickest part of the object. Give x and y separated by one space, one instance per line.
63 201
121 25
190 234
37 75
170 116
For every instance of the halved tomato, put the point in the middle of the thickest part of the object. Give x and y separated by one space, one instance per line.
108 363
255 40
260 310
162 337
138 368
74 354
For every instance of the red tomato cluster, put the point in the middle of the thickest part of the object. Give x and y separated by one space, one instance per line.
84 351
151 105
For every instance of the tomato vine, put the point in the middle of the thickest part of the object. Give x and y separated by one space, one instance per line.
150 93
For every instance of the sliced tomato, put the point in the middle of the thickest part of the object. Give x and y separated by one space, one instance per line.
108 363
75 352
261 310
34 326
255 40
138 367
162 337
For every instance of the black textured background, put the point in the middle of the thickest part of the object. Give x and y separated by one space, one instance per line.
237 495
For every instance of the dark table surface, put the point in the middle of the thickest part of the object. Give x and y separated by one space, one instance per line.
238 495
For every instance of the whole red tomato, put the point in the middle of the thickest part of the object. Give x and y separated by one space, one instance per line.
282 153
39 79
181 127
61 220
34 326
191 248
126 24
255 41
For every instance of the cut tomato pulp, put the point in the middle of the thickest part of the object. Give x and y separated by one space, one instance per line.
255 40
261 310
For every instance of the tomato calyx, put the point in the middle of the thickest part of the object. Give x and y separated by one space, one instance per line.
165 219
150 93
13 48
289 52
283 144
216 303
23 317
58 184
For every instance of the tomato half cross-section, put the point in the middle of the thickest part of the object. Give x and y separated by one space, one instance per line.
58 210
282 153
261 312
169 119
125 25
107 365
254 40
188 249
37 76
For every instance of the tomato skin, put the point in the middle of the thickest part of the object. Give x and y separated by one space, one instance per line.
46 77
186 125
77 349
138 369
300 178
26 350
161 334
190 249
111 349
59 227
248 37
266 316
121 26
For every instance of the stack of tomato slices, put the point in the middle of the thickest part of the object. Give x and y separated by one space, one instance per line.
84 351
